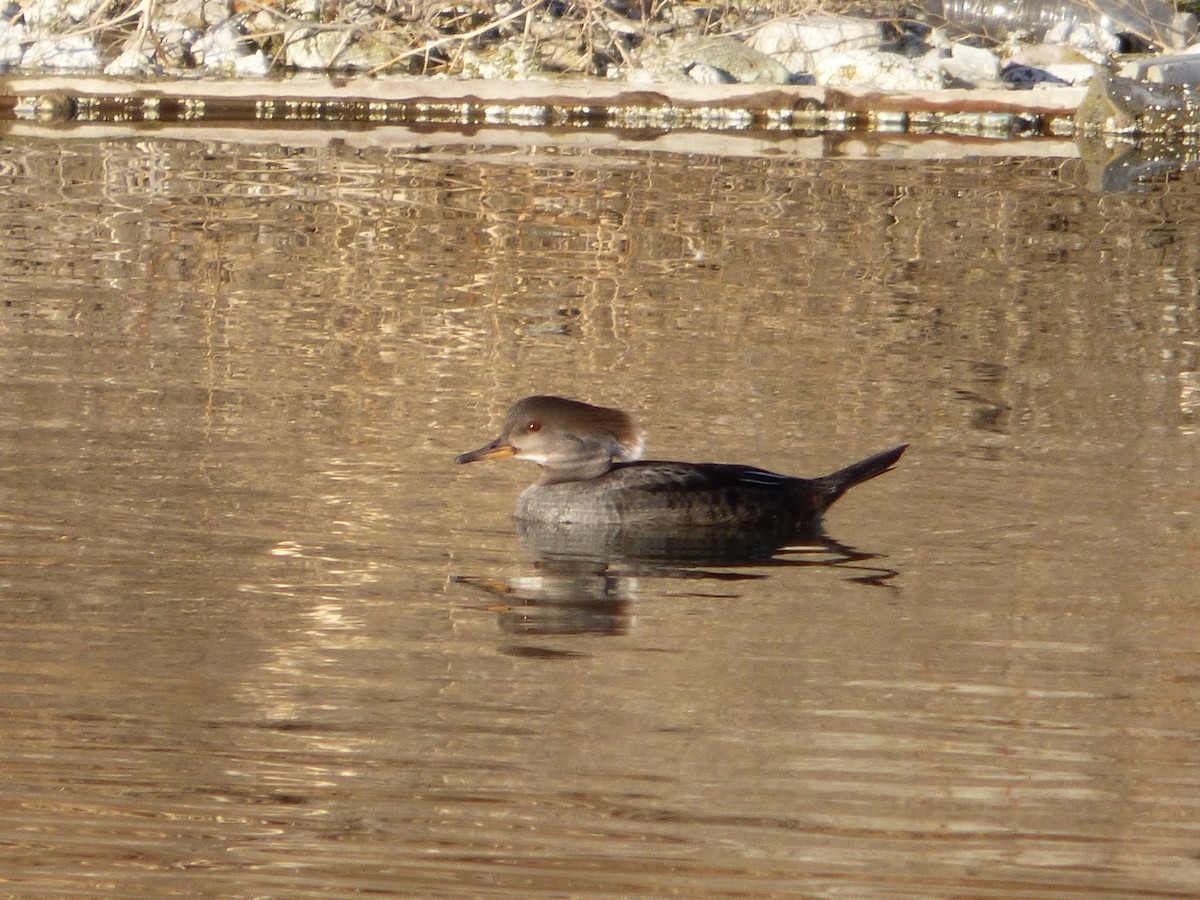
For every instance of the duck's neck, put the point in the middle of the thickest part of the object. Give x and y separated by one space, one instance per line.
582 469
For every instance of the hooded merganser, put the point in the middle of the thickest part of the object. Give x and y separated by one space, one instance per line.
593 474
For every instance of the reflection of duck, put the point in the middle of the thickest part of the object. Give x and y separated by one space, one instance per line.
585 579
560 597
592 476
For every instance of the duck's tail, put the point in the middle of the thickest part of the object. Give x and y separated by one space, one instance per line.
827 489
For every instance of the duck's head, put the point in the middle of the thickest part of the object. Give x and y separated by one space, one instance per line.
570 440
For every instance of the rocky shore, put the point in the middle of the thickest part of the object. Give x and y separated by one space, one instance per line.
942 44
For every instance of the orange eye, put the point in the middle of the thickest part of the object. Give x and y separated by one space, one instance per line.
534 426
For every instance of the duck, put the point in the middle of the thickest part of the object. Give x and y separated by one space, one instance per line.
592 474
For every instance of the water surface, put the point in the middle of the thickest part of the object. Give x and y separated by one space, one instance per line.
261 638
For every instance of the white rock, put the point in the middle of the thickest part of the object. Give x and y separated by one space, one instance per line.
69 53
134 60
13 40
53 15
974 65
1091 40
256 65
702 73
227 49
885 71
800 42
222 46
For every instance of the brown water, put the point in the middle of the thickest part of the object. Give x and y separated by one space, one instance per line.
261 638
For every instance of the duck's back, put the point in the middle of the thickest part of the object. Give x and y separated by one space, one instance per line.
685 495
673 494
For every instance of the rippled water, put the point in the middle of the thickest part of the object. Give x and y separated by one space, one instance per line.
261 638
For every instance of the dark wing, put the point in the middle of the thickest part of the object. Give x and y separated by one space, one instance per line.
705 493
655 475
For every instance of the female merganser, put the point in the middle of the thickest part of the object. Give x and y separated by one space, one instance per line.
592 475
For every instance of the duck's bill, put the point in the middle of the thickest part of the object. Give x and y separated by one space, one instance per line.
497 449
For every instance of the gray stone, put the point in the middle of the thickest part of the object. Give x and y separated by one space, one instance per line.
1181 69
1116 105
741 62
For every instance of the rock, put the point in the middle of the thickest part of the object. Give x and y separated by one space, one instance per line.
134 61
197 14
253 65
1088 38
1183 30
1115 105
1181 69
885 71
1051 65
54 16
710 60
798 43
975 66
704 74
1045 55
13 41
742 63
306 48
68 53
305 10
168 45
499 61
227 49
173 42
652 72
